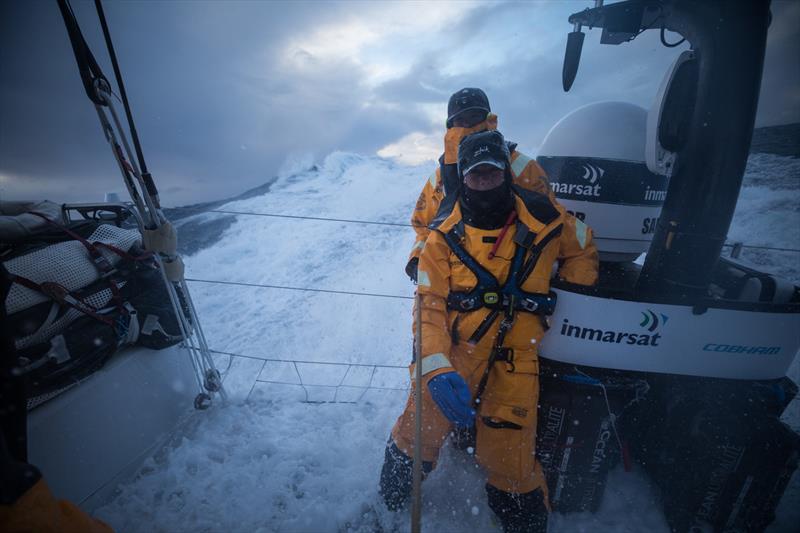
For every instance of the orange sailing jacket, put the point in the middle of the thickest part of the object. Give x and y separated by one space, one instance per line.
441 272
38 511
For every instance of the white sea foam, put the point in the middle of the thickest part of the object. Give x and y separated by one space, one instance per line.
269 461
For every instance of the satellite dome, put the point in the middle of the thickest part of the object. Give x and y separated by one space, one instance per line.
595 159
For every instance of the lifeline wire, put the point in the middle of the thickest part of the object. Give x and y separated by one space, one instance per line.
407 225
402 225
308 289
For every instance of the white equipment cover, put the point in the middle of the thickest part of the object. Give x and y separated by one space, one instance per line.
660 160
595 159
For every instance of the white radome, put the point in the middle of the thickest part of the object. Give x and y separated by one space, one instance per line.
595 159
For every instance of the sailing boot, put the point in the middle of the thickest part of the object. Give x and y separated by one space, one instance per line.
397 476
519 513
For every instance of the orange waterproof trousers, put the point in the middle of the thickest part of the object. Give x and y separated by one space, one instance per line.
506 422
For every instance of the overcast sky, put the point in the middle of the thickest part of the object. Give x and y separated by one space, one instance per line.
228 94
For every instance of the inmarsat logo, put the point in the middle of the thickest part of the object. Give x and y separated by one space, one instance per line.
651 323
592 173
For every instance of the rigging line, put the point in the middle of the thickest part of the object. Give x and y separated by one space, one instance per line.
725 245
88 67
307 289
367 365
121 86
324 219
406 225
759 247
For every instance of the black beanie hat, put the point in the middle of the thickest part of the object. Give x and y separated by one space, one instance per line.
465 100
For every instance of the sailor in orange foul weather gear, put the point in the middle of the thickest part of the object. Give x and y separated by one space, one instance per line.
484 282
27 505
468 112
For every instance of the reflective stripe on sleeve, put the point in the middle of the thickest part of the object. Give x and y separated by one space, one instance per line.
580 233
423 279
433 362
419 245
432 179
520 163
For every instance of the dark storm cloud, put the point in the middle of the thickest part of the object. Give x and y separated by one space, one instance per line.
223 91
214 114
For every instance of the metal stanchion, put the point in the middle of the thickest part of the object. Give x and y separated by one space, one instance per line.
416 507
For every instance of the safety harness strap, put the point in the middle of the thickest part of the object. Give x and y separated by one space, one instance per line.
509 298
536 252
496 353
488 292
483 327
485 278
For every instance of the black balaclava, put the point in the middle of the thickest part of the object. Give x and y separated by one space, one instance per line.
485 209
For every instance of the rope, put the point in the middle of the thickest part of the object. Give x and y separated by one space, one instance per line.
307 289
641 391
407 225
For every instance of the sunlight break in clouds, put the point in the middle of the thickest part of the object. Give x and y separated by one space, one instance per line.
384 39
420 146
414 149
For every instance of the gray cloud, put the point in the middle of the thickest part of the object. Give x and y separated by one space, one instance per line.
221 98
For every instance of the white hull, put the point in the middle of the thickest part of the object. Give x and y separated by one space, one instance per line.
96 434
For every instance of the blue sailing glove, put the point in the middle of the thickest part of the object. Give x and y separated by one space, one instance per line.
451 394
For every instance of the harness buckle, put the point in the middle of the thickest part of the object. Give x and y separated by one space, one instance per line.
491 298
529 305
506 323
507 355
